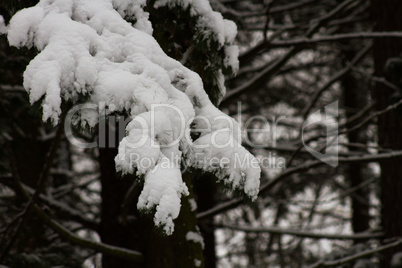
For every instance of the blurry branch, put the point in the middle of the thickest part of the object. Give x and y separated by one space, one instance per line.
286 69
353 194
330 200
279 9
368 118
274 67
67 212
63 232
267 20
17 224
385 82
66 234
314 26
259 78
366 253
59 207
282 231
220 208
358 115
291 149
347 130
314 163
282 28
68 188
223 9
332 38
333 79
49 160
21 218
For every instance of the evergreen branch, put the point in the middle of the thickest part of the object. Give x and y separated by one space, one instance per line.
282 231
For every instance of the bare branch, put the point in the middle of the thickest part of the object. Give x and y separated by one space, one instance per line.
63 232
282 231
333 38
220 208
366 253
335 78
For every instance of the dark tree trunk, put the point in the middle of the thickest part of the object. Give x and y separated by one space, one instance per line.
123 226
113 190
387 17
205 191
355 98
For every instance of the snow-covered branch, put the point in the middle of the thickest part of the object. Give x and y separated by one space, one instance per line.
90 55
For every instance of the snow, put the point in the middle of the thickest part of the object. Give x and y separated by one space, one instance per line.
231 57
396 260
210 25
3 28
193 204
163 188
92 55
197 263
195 237
134 9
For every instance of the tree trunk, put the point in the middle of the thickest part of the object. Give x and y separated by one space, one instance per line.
355 99
137 231
386 16
205 191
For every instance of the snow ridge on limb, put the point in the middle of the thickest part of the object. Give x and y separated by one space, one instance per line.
91 54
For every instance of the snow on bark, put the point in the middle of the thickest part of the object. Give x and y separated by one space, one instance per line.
3 28
90 53
195 237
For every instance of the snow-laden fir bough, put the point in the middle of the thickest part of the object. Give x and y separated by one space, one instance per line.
89 54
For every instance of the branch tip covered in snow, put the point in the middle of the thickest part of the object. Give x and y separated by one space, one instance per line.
102 54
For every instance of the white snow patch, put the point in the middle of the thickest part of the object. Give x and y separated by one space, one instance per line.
231 57
163 188
3 28
195 237
193 204
197 262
